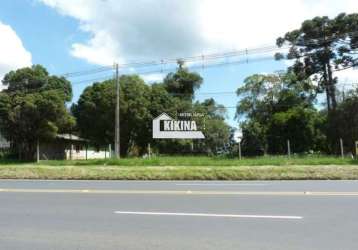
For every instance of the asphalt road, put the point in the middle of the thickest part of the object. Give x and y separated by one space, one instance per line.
87 215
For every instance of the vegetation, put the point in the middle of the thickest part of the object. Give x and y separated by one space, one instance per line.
272 108
320 46
347 120
201 161
276 110
294 172
140 104
33 108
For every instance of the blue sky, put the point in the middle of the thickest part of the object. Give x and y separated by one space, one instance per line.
68 36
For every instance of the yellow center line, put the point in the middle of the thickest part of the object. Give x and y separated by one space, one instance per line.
178 192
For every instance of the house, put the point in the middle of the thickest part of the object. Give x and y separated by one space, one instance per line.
69 147
4 144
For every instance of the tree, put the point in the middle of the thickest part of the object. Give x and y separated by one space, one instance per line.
320 46
183 83
277 109
33 108
347 120
95 113
217 132
139 105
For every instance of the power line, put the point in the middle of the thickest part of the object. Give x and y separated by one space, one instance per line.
87 72
210 57
168 70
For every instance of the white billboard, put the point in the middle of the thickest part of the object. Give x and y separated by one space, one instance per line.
165 127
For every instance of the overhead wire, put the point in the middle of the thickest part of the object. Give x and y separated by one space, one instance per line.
209 57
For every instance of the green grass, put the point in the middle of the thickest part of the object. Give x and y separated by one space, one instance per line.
187 168
210 161
330 172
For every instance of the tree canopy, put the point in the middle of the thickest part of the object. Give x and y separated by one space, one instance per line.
33 108
276 110
321 46
140 104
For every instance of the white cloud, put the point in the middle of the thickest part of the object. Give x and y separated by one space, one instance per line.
347 78
13 55
123 30
152 78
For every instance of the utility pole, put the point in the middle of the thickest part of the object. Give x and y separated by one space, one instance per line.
38 151
342 148
240 150
117 117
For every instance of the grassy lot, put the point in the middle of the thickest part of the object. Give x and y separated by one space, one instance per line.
209 161
186 168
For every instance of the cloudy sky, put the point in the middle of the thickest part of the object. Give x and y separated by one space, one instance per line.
68 36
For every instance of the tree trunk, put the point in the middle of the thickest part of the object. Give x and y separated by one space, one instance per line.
26 151
327 89
332 87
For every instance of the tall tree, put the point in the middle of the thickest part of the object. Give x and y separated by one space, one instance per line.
347 120
217 132
95 113
33 108
320 46
183 83
277 109
139 105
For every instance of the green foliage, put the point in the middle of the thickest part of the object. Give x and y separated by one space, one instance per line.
321 45
217 132
181 172
203 161
96 108
277 109
94 112
346 122
139 105
33 108
183 83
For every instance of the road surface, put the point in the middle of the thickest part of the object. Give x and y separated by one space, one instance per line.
46 215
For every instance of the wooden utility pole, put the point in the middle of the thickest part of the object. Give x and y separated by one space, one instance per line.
342 148
117 118
38 151
240 150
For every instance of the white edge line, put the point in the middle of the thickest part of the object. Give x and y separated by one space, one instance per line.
219 184
254 216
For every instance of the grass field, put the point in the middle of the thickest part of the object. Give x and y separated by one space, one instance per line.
209 161
186 168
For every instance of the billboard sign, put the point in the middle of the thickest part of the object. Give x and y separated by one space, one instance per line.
165 127
238 136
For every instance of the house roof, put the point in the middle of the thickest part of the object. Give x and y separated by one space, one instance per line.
163 116
70 137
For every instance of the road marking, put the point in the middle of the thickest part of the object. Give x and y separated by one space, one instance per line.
220 184
253 216
179 192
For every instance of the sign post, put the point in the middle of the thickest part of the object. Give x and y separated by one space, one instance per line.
238 139
240 150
